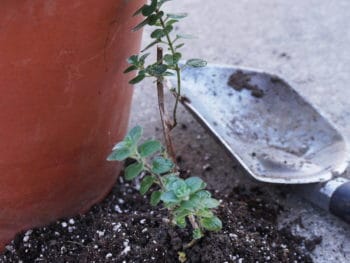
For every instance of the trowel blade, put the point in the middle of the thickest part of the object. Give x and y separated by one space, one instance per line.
277 135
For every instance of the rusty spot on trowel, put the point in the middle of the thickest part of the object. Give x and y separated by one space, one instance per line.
240 81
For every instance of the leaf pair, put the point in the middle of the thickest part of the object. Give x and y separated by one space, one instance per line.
137 63
159 166
151 20
147 10
127 147
172 60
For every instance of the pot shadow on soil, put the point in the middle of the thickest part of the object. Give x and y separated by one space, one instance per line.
125 228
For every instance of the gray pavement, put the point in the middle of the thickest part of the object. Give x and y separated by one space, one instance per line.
304 41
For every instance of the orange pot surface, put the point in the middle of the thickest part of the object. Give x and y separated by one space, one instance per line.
64 102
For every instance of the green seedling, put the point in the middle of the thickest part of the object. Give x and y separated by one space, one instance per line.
168 65
186 199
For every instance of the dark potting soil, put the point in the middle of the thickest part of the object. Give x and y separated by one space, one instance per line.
125 228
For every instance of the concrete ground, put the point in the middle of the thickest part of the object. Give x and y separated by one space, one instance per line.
304 41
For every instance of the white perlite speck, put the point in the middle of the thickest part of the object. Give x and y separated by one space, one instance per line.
117 209
100 233
117 227
27 235
71 221
233 235
29 232
10 248
64 224
127 248
109 255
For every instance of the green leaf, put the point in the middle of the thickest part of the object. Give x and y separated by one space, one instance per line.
172 59
210 203
157 70
153 19
171 22
137 79
161 2
149 147
155 198
181 212
185 36
180 221
133 170
168 181
203 194
170 206
196 201
146 184
177 16
158 33
204 213
134 135
149 9
143 58
195 184
191 205
131 68
180 189
211 223
142 24
168 29
169 197
168 74
197 234
120 152
179 45
138 11
150 45
133 60
196 63
168 58
162 165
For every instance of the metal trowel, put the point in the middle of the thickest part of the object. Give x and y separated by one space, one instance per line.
275 133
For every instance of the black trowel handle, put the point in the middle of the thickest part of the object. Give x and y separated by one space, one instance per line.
333 196
339 203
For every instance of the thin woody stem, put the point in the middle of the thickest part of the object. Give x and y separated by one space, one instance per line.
178 76
165 122
167 126
194 225
193 221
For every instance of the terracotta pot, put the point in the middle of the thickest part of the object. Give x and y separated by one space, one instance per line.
64 102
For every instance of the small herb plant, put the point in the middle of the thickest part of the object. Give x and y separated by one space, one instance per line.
167 65
186 199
